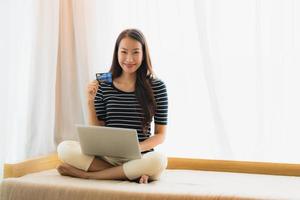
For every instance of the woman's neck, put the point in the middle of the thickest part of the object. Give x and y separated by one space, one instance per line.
125 82
127 79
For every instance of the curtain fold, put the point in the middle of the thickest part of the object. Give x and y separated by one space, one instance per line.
29 46
40 107
68 101
224 149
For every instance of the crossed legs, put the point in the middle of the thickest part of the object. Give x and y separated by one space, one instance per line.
79 165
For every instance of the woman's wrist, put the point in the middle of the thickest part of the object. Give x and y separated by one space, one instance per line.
141 147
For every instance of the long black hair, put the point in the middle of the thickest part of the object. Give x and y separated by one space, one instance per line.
144 76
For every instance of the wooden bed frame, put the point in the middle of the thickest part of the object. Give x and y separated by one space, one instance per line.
51 161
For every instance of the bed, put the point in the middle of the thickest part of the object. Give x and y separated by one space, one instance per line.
185 179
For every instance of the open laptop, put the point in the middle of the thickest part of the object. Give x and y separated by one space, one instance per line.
107 141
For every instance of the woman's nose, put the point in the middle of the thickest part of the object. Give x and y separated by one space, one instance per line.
129 58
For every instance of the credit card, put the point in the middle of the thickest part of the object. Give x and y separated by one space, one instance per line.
104 77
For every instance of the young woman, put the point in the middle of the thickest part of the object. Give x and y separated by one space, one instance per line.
132 100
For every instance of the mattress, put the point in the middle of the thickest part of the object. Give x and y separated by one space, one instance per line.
173 185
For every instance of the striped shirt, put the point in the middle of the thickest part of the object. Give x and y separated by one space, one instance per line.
121 109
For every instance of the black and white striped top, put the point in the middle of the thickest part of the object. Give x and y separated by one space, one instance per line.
121 109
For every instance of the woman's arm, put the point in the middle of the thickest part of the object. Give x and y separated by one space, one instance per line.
158 138
92 118
91 93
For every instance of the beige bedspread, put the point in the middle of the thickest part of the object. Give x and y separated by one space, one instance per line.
174 185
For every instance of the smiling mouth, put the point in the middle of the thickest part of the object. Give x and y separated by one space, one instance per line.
129 66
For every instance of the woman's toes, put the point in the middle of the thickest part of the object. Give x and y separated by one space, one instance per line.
144 179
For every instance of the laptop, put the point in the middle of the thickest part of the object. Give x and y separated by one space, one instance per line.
108 141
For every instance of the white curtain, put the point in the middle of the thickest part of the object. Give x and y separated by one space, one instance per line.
252 51
231 70
29 44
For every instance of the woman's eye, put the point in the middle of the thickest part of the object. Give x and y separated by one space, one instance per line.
136 52
123 52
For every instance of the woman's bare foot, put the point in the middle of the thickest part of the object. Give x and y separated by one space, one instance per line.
68 170
144 179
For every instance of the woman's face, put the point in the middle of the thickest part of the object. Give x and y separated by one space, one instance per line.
130 55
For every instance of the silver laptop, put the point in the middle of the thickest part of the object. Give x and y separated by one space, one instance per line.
107 141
